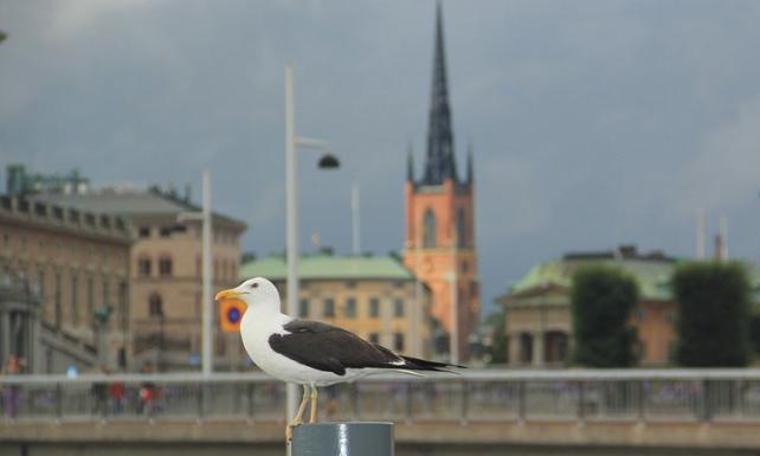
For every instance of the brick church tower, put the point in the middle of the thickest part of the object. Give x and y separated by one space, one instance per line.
440 215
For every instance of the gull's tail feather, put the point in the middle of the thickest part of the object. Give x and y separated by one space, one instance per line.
425 365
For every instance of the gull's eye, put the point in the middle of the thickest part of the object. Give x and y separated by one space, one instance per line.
254 285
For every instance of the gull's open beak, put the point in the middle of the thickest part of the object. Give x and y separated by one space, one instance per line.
227 295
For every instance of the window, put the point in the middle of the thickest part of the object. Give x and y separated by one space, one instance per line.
165 267
351 308
143 267
351 284
374 338
166 231
303 308
429 232
123 296
75 299
144 232
461 228
90 301
398 308
374 307
526 348
155 305
41 284
58 309
329 309
398 342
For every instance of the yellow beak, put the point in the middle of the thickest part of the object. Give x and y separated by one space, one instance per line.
227 295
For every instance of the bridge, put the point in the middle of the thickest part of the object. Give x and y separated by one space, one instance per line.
479 412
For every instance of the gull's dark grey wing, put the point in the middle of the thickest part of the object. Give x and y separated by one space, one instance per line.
329 348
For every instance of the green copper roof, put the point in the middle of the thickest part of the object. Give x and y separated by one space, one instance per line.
325 266
653 276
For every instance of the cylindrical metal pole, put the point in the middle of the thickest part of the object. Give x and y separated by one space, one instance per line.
206 337
344 439
356 241
291 203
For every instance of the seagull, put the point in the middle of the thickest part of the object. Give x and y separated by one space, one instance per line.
309 353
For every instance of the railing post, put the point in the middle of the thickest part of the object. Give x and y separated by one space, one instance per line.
408 406
641 401
521 404
58 402
706 401
581 400
465 405
345 439
251 391
201 399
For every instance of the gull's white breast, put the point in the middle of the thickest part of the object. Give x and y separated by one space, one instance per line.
255 332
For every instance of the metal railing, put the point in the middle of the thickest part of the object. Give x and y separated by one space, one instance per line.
476 395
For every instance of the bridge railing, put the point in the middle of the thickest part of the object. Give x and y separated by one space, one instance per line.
476 395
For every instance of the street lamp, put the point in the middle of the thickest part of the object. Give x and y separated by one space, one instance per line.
207 353
327 161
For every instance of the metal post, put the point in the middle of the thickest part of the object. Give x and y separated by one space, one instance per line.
581 402
291 203
207 334
345 439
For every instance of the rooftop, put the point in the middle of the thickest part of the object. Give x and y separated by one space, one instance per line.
326 267
652 271
128 202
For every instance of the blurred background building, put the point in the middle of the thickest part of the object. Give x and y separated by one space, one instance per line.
374 296
440 218
165 277
539 326
65 289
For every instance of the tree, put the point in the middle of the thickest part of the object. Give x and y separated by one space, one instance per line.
497 350
602 299
713 314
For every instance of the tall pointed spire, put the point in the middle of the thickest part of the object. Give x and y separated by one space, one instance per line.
409 163
440 163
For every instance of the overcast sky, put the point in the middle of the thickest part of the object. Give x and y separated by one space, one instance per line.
593 123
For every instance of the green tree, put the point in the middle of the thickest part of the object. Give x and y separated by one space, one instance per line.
713 314
497 351
602 300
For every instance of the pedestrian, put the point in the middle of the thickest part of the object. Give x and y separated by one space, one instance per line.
11 393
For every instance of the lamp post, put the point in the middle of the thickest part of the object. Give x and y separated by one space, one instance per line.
327 161
207 353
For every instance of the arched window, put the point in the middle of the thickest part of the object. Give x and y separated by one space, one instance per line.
429 232
155 305
461 228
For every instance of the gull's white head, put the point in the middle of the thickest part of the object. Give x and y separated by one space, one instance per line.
258 294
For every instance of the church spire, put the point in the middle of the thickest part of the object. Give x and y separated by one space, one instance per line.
409 163
440 162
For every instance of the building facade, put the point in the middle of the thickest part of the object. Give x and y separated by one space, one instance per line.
440 219
374 297
66 297
165 279
539 325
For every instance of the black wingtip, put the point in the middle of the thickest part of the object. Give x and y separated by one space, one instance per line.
423 364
